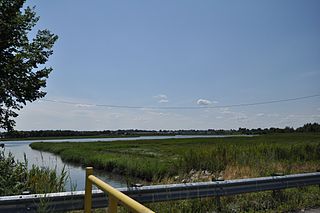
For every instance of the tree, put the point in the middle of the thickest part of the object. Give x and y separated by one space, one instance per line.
19 81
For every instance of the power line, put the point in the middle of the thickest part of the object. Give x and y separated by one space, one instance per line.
185 107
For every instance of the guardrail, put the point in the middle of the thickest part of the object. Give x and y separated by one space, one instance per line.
114 196
157 193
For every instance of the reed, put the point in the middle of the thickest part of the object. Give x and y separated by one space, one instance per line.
15 177
157 159
174 160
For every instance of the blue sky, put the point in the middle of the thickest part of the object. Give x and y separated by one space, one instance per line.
178 53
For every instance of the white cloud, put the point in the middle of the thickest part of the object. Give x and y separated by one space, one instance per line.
84 105
203 102
260 114
163 101
161 98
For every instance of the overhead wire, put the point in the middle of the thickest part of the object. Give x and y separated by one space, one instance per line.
185 107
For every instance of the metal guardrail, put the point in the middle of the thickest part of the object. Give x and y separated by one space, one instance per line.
114 196
75 200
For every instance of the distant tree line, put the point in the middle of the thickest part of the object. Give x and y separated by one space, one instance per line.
309 127
72 133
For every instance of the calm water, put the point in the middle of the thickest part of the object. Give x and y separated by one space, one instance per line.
76 173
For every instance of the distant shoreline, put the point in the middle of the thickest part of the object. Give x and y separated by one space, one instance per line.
115 136
125 133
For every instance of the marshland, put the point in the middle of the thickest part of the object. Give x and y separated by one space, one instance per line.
206 159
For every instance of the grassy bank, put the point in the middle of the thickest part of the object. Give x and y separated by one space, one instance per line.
203 159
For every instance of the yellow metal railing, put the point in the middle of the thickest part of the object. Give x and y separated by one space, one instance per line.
115 197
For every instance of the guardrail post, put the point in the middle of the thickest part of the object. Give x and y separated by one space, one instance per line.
318 171
88 191
218 197
277 194
218 203
113 205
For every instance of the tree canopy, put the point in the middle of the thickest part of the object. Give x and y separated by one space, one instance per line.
21 79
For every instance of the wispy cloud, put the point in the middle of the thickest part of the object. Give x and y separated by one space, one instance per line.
163 101
161 98
203 102
260 114
84 105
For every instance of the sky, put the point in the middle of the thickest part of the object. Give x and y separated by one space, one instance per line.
178 53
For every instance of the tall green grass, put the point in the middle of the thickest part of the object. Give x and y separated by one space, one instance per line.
156 159
259 156
235 157
15 177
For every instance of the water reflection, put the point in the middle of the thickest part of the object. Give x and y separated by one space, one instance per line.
76 173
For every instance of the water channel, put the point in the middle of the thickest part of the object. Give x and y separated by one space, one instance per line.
76 173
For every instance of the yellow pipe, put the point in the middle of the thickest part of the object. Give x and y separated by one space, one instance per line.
88 191
124 199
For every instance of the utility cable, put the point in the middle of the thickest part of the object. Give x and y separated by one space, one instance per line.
185 107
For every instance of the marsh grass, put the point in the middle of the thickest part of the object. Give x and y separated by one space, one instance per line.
157 159
160 161
45 180
15 177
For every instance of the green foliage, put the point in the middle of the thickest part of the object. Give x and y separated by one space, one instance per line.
19 57
309 127
13 175
16 178
44 180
